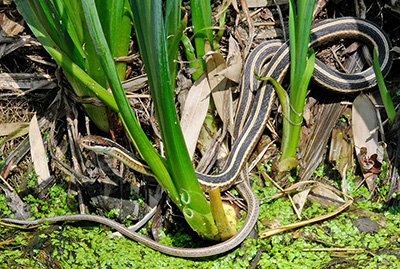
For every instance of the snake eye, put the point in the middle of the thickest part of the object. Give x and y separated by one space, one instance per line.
86 143
90 143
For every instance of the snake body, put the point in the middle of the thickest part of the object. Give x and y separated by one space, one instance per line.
254 109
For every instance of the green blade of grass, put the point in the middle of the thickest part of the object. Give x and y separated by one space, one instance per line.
302 37
116 23
191 57
385 94
201 19
174 28
308 71
202 28
44 18
292 35
71 16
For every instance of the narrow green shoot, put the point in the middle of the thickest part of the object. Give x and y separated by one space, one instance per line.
202 30
202 25
222 22
385 94
174 28
302 65
190 52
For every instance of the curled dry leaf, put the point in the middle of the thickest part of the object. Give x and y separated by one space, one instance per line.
9 27
365 126
373 163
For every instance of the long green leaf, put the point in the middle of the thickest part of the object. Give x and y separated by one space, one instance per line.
116 24
385 94
292 35
174 30
299 32
201 19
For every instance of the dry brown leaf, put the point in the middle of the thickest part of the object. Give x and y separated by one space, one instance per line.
363 213
221 93
341 152
232 72
194 112
9 27
300 200
9 39
136 83
325 197
215 64
234 52
234 62
365 124
272 224
16 205
12 81
314 143
18 129
38 153
263 3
